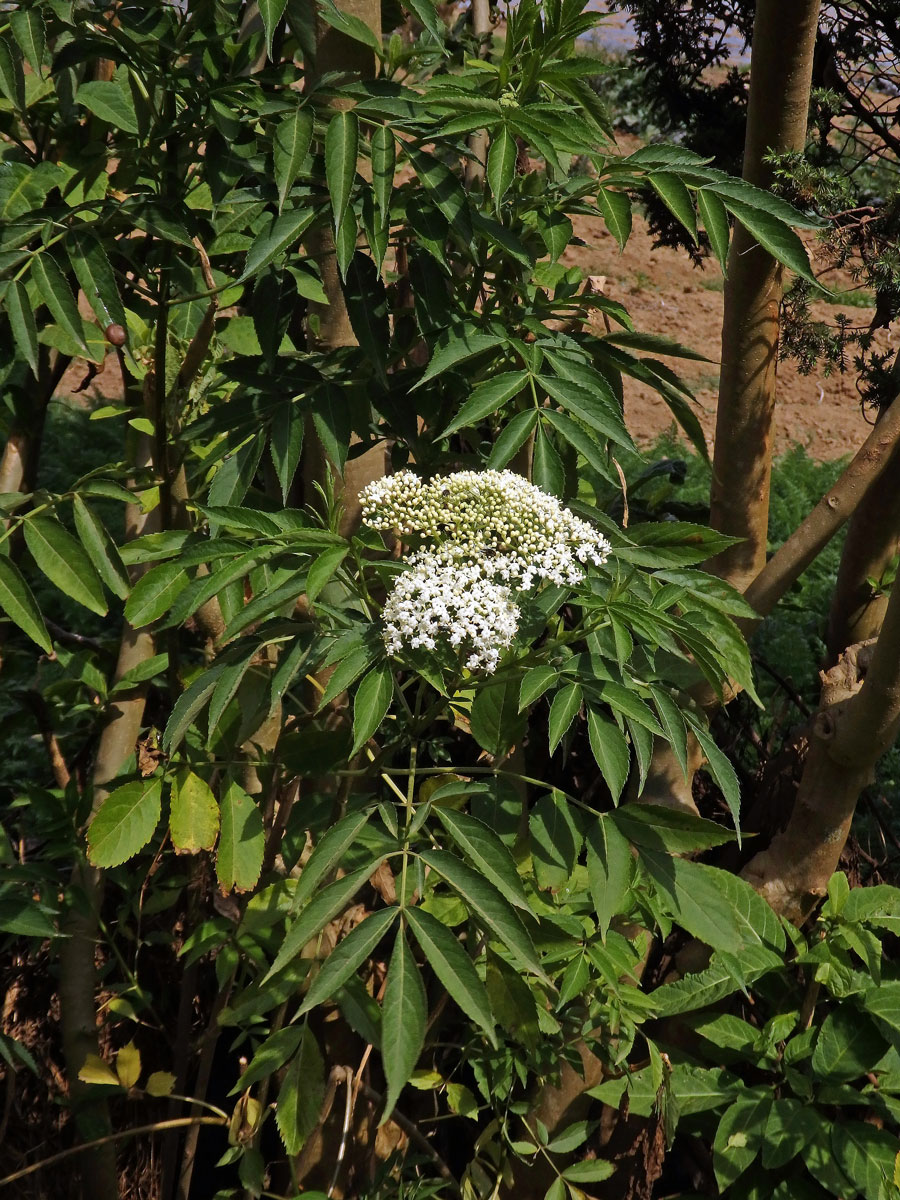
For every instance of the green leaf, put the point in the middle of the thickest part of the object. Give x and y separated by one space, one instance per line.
95 276
494 719
347 956
21 320
457 346
301 1095
349 24
592 451
453 967
723 773
370 704
610 751
124 822
591 1170
486 852
326 905
322 568
284 231
12 76
286 443
615 208
740 1135
193 813
384 161
654 343
341 154
653 827
155 593
714 216
427 14
64 562
271 12
241 841
189 703
566 704
487 398
847 1046
404 1012
610 868
272 1054
27 25
110 103
19 605
328 854
696 899
776 238
673 725
677 199
791 1125
103 552
501 164
883 1003
867 1156
348 671
555 229
488 905
547 471
534 683
512 437
733 189
57 295
555 841
590 407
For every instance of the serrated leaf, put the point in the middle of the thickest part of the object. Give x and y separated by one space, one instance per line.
322 568
610 868
404 1012
590 406
654 827
590 1170
103 552
128 1065
12 76
776 238
341 154
110 103
494 718
271 12
847 1045
328 854
453 967
615 208
487 853
457 346
547 471
566 704
555 841
155 593
677 199
125 822
610 751
512 437
384 160
21 320
488 905
64 562
241 841
160 1083
95 276
487 398
739 1136
867 1156
301 1094
95 1070
325 906
17 602
719 766
284 231
349 953
534 683
501 164
57 295
370 704
27 25
286 443
290 146
714 216
193 813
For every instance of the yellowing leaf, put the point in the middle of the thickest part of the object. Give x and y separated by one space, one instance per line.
193 814
95 1070
128 1065
160 1083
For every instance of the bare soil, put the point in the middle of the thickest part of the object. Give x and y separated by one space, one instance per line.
666 294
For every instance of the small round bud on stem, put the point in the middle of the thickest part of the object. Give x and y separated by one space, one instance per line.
115 335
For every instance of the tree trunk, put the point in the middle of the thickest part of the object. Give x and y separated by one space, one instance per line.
329 325
873 541
780 73
480 16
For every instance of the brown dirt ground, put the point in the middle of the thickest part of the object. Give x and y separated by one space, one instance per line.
666 294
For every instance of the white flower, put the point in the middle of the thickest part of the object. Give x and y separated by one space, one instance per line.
484 533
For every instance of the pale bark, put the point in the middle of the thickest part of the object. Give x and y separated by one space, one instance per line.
780 73
480 17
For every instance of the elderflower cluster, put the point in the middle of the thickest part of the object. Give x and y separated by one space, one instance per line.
444 595
484 533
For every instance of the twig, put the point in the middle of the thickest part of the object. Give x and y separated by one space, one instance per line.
415 1135
348 1113
155 1127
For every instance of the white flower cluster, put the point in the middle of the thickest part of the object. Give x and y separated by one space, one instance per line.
444 595
484 532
